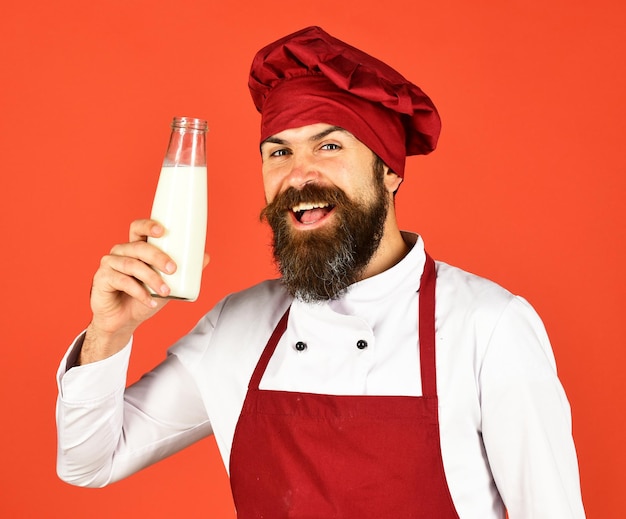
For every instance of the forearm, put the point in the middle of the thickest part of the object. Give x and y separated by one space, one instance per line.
106 432
89 417
526 421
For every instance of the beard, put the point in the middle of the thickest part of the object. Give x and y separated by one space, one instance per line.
319 265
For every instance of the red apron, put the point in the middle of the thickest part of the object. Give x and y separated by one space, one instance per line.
303 455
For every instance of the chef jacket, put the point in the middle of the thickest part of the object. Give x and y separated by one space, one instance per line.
505 421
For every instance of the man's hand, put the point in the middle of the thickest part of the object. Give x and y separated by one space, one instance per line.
120 301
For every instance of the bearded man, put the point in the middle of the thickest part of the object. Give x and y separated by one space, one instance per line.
369 381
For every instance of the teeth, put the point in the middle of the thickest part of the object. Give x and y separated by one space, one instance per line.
306 206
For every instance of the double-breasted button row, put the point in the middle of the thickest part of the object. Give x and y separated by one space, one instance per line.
301 346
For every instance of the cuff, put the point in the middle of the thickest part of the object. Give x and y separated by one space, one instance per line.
93 381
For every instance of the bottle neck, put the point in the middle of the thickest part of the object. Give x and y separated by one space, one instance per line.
187 146
190 124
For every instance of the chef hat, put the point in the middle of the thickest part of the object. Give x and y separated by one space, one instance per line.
311 77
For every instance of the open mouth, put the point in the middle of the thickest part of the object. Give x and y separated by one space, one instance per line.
308 213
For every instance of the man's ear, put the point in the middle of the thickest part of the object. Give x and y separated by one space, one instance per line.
392 180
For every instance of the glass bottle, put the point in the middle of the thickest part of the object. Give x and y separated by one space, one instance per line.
180 205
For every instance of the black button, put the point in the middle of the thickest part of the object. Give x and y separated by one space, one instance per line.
361 344
300 346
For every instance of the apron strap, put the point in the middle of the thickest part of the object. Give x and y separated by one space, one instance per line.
427 329
268 351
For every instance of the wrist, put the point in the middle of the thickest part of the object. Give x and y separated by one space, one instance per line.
98 344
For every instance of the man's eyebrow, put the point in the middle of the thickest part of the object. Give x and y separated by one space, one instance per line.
326 132
274 140
313 138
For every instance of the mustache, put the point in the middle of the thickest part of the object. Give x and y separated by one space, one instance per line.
311 193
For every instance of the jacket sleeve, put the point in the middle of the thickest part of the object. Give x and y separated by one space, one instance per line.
526 420
106 432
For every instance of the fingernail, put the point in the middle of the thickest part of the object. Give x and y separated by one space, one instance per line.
170 267
164 289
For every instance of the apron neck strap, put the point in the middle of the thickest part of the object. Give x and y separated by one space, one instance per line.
426 328
269 351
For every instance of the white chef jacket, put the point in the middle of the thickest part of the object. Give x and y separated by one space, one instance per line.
504 418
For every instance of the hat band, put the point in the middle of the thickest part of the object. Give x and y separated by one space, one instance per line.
305 100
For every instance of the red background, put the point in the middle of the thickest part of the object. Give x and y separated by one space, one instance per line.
527 188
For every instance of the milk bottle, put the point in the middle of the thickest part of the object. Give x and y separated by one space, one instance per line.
180 205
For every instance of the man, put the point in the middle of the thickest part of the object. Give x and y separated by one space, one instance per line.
369 381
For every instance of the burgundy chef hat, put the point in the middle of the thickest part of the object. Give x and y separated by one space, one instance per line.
311 77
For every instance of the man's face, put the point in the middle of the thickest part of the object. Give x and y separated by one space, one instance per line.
326 205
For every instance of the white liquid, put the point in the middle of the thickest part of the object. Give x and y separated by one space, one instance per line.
180 205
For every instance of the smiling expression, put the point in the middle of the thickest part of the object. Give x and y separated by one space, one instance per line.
320 154
327 206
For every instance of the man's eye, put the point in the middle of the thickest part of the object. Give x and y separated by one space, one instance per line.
279 153
330 146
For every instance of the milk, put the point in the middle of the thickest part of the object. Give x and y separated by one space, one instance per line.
180 205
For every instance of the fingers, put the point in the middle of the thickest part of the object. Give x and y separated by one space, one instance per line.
129 274
110 281
145 228
146 253
131 267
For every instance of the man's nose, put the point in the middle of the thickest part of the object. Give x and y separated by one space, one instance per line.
302 170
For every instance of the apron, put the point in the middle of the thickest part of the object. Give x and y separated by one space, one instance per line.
312 456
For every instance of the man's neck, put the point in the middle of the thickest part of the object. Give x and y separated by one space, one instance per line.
392 249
